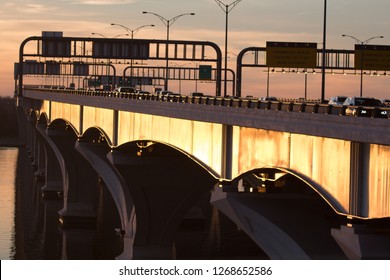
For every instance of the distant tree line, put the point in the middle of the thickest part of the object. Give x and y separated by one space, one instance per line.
8 118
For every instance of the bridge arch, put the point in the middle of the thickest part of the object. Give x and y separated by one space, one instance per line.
165 183
276 180
286 214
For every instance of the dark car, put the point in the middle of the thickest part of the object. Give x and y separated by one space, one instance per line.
364 107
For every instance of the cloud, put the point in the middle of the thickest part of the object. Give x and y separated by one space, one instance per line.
100 2
35 9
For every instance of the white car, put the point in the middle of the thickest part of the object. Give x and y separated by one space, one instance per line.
125 89
337 100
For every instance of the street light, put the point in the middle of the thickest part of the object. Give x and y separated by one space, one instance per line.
323 55
132 32
361 43
227 9
101 35
168 23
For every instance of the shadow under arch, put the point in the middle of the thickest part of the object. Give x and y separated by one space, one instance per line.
165 182
43 119
275 180
285 213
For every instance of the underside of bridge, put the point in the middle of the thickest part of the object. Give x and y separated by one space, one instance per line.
286 217
165 183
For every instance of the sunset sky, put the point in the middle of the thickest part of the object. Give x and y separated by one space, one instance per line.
251 23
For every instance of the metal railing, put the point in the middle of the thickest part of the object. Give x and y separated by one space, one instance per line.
299 106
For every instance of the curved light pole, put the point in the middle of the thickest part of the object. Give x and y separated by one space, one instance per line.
168 23
361 43
101 35
323 55
132 32
227 9
98 34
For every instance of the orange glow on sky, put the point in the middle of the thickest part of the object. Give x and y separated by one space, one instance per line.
251 23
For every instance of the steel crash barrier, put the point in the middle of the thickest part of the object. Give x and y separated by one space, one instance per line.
237 102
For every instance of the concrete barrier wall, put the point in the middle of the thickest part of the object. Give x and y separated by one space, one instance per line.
326 161
98 117
65 111
379 181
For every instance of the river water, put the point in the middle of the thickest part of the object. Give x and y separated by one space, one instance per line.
8 160
29 226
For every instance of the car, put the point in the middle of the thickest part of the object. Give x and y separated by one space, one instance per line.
337 100
163 93
196 94
270 98
172 96
142 91
125 89
364 107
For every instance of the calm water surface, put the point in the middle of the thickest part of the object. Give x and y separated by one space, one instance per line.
8 160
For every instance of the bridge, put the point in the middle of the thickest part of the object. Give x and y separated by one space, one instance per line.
303 180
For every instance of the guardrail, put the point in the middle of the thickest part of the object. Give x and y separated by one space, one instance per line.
289 106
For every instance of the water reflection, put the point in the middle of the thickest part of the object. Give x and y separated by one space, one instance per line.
8 159
38 234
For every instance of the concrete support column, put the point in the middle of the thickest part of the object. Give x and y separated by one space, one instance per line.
94 147
77 244
360 158
40 159
164 184
79 179
31 135
360 240
227 151
53 187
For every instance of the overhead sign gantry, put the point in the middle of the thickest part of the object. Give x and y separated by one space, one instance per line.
52 49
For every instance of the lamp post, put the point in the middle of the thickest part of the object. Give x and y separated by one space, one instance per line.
323 55
361 43
168 23
101 35
132 32
227 9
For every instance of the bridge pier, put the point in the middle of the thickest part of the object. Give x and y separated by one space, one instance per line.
53 186
164 184
94 147
79 179
31 139
360 240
